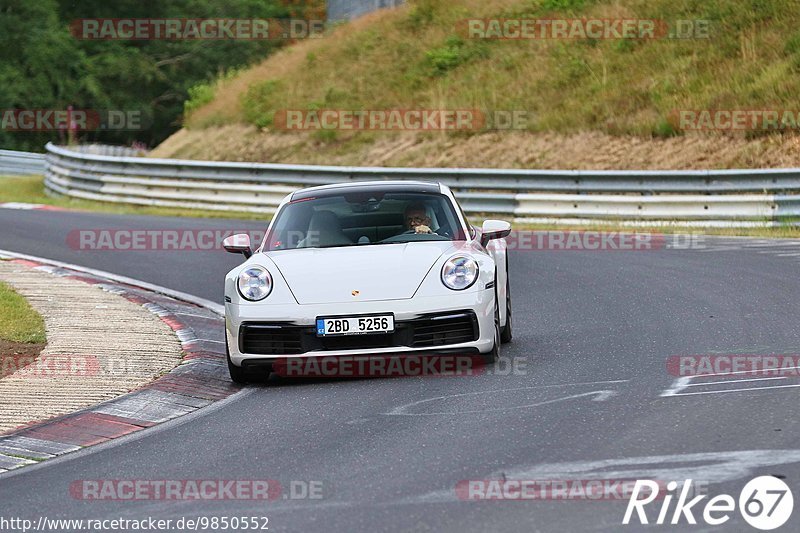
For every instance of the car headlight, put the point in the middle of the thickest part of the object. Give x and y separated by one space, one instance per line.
255 283
459 272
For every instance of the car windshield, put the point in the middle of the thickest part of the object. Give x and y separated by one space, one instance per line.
364 218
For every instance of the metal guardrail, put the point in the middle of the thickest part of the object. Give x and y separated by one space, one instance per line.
106 149
14 163
720 196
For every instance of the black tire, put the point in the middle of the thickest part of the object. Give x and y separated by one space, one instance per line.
238 374
493 355
507 334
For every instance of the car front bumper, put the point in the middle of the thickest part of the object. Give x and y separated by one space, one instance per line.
481 303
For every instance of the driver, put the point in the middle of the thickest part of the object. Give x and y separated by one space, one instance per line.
417 219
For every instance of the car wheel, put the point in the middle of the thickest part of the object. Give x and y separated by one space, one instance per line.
238 374
492 356
506 335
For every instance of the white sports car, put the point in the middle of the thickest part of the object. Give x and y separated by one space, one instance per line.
367 268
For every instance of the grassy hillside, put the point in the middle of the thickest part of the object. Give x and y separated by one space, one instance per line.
415 57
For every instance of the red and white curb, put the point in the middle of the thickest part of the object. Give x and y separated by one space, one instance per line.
30 207
200 380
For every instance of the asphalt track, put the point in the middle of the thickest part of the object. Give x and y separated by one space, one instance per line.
593 330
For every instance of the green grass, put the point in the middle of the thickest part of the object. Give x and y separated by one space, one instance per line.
203 93
418 57
18 321
780 232
30 189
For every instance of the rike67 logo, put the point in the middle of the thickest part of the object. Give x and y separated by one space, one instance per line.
765 503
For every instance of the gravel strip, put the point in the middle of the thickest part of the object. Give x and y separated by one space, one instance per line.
100 345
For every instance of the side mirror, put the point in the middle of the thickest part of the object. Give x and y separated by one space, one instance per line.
494 229
238 244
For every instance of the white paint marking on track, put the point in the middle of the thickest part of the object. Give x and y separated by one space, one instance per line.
749 389
600 396
677 386
685 382
705 383
745 372
712 467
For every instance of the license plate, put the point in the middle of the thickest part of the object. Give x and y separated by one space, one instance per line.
357 325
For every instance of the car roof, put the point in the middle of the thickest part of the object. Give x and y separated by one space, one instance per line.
385 186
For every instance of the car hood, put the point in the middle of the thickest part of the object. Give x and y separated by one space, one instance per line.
385 272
